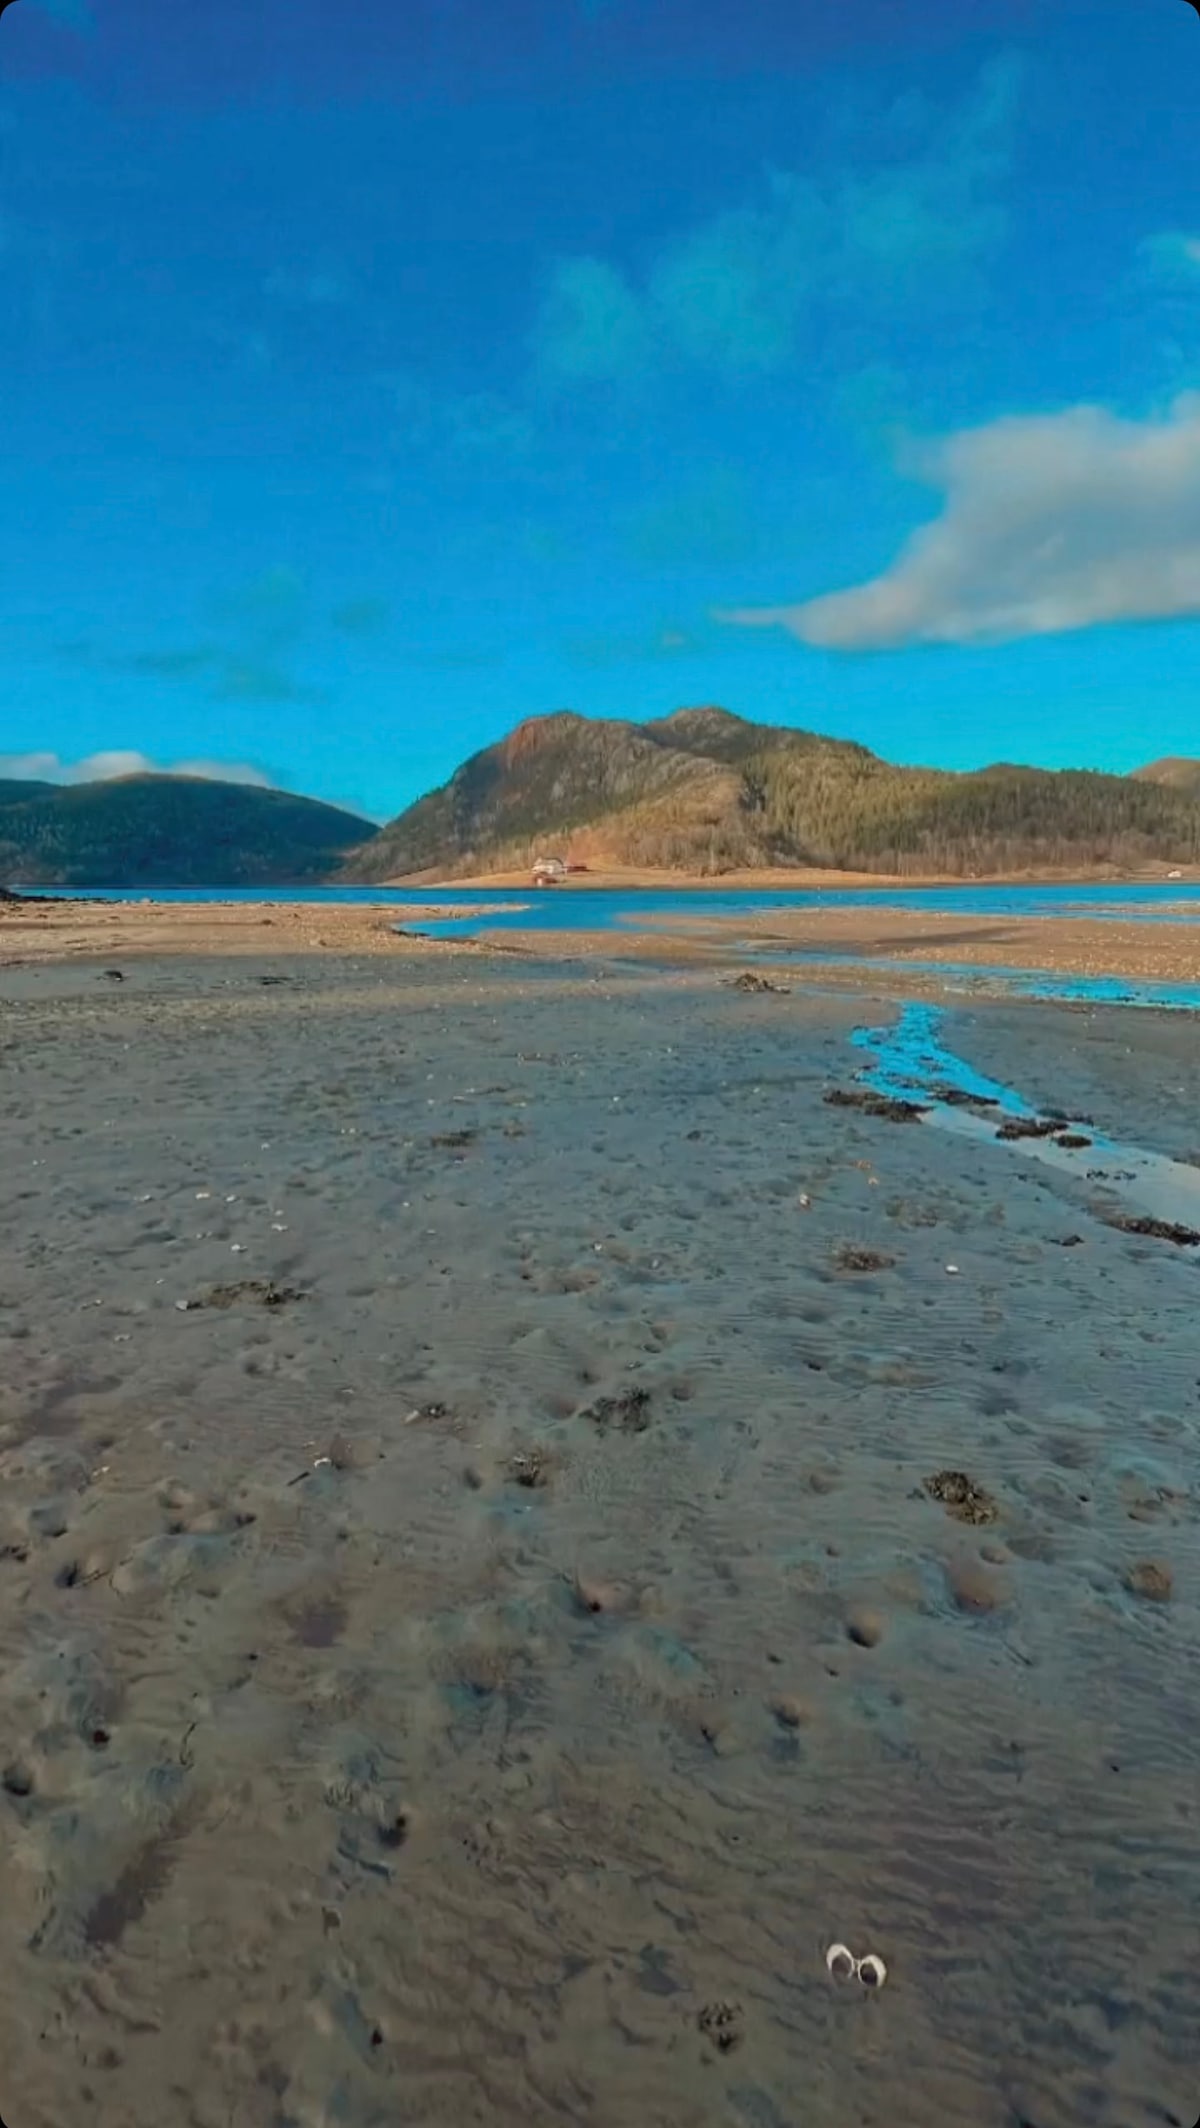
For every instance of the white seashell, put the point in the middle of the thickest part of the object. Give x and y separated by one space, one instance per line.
872 1971
840 1963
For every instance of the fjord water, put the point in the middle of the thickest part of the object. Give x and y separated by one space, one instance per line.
598 909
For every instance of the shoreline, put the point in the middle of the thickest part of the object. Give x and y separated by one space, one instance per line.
882 944
790 878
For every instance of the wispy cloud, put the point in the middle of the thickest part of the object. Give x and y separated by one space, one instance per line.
74 14
734 294
106 767
259 628
1172 259
168 664
464 428
252 682
1049 523
362 616
708 523
307 287
603 651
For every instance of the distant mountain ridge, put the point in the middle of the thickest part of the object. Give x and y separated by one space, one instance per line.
707 792
700 791
1176 771
172 831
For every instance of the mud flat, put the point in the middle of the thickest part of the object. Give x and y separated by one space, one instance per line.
522 1523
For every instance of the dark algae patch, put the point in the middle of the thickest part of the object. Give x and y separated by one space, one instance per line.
961 1497
886 1106
849 1257
1154 1229
627 1412
757 985
143 1880
260 1292
723 2025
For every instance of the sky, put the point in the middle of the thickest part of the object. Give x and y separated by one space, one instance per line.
373 377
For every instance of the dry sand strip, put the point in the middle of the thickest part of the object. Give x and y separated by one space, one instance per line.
40 932
51 930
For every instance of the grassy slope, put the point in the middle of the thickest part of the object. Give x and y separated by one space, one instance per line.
704 791
1176 772
171 831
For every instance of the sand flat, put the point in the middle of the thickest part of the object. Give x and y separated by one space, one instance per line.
1160 951
1157 951
33 930
473 1623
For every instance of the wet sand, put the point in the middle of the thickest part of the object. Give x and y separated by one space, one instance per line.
36 931
54 931
473 1671
1157 951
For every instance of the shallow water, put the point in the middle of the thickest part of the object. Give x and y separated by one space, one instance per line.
569 910
398 1731
1041 984
910 1059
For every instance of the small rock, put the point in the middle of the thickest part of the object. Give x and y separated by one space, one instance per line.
530 1468
600 1598
1150 1579
790 1712
864 1627
345 1454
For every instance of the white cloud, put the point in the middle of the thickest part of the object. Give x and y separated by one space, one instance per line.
1049 523
105 767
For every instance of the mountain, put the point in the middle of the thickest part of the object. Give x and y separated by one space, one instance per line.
1176 772
553 776
180 831
705 791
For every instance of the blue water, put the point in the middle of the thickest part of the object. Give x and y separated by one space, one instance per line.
909 1059
1037 983
613 909
562 913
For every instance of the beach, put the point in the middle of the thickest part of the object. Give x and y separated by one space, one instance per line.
906 940
486 1595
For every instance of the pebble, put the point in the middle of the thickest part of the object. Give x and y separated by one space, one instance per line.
790 1712
864 1627
1151 1579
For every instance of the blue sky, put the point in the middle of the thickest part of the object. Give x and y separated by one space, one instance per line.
372 377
